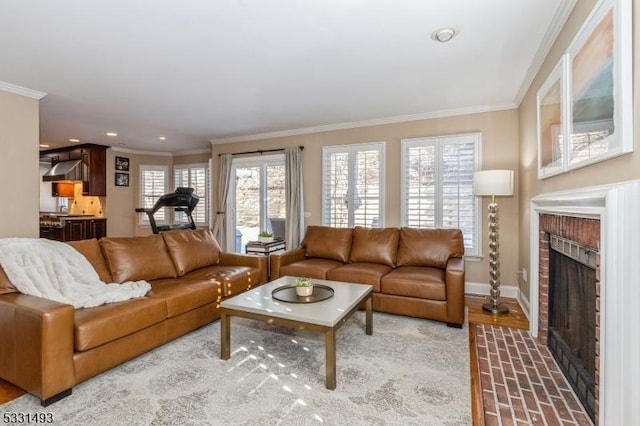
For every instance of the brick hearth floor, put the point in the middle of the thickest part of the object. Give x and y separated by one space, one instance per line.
521 383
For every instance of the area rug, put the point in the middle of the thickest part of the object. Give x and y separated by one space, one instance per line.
409 372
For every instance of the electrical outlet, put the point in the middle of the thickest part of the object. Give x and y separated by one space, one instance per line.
524 274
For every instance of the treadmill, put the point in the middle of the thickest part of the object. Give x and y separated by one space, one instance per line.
183 200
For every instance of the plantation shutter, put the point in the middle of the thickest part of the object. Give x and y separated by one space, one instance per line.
437 184
353 185
153 182
194 176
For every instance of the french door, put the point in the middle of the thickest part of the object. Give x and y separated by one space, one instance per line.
258 194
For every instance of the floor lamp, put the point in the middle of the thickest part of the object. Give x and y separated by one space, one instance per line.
493 183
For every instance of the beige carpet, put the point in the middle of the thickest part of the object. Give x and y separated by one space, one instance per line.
410 372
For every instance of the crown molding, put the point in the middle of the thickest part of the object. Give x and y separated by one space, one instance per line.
365 123
162 153
139 152
22 91
557 23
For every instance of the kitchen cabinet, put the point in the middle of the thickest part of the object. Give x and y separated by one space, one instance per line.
76 229
96 228
92 172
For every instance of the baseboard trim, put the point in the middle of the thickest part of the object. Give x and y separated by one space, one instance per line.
485 289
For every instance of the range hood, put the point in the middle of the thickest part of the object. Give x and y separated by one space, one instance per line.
64 171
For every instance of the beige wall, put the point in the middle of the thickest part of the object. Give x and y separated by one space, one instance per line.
499 150
19 169
618 169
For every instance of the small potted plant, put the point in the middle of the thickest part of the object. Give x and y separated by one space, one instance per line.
265 237
304 287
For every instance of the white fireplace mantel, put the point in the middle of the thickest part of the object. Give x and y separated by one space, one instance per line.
617 206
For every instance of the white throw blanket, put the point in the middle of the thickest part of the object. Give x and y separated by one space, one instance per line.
56 271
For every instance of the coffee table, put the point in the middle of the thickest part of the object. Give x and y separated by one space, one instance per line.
325 317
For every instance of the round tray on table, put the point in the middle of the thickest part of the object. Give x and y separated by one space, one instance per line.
287 293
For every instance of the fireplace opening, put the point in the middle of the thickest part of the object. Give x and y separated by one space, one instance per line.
572 316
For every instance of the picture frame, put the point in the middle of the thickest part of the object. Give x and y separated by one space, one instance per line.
122 164
595 82
551 114
122 179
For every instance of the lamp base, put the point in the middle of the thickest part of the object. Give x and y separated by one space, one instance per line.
497 309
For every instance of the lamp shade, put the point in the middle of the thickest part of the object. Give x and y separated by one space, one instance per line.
493 182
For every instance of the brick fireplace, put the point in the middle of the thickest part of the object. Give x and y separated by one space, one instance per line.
577 240
604 223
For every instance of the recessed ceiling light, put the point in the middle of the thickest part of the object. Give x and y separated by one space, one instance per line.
44 145
74 140
113 134
162 138
444 34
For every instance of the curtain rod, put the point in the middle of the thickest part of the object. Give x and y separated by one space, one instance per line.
262 151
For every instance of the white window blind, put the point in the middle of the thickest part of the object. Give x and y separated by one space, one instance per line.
353 185
194 176
153 184
437 185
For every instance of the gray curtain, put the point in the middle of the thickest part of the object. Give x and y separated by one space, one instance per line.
294 197
224 180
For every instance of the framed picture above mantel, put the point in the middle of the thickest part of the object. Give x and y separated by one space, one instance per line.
585 107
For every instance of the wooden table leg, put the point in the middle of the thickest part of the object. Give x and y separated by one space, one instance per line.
225 337
330 356
369 321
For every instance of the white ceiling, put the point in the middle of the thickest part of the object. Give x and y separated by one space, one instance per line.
214 70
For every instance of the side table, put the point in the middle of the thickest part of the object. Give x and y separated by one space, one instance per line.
256 247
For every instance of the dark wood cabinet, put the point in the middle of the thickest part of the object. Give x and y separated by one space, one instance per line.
76 229
96 228
92 172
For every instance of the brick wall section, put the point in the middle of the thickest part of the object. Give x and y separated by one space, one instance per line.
582 231
521 383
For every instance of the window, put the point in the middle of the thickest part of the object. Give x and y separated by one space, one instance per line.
353 185
153 183
437 185
194 176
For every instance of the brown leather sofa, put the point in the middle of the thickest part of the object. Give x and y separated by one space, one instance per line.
48 347
414 272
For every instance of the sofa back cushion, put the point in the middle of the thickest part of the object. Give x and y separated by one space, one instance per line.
429 247
375 245
5 284
192 249
138 258
327 242
92 251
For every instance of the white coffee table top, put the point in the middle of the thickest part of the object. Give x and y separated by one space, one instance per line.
327 312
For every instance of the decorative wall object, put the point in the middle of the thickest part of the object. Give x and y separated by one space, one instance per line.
122 179
585 108
122 164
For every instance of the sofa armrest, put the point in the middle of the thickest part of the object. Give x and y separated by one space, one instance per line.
251 260
454 276
37 344
284 258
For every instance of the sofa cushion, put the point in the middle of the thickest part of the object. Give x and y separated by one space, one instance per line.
415 281
310 268
192 249
327 242
429 247
182 295
5 284
92 251
96 326
375 245
233 279
360 273
138 258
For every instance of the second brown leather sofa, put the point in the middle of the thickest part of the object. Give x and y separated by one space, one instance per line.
414 272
